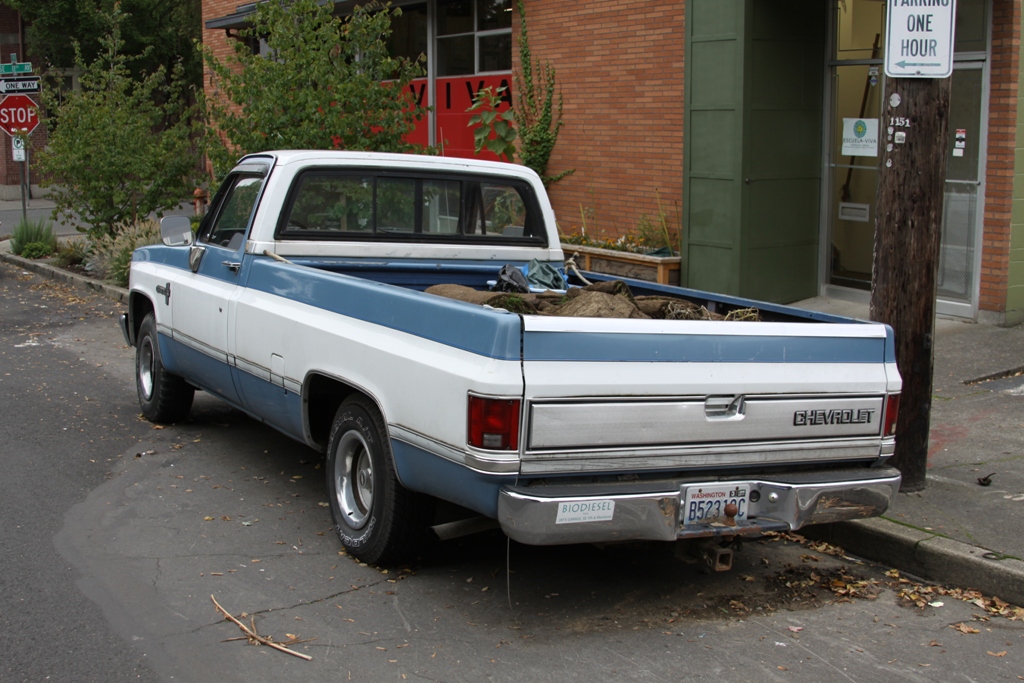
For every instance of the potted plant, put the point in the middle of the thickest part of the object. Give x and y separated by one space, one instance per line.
649 251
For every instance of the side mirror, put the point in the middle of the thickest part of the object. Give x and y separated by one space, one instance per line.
176 231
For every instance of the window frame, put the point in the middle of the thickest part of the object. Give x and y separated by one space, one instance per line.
476 34
254 169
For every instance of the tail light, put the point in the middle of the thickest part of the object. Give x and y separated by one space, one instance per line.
892 411
494 423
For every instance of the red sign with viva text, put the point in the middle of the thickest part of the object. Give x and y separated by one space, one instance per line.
18 114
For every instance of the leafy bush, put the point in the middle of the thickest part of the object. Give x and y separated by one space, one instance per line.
538 116
72 253
35 250
111 256
331 83
33 232
123 148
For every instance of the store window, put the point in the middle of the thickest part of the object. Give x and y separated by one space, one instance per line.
408 37
473 37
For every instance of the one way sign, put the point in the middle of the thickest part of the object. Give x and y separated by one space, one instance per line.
919 38
10 86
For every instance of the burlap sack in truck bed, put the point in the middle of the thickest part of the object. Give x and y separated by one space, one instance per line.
611 299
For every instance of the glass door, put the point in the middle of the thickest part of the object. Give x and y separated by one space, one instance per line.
854 122
856 133
956 278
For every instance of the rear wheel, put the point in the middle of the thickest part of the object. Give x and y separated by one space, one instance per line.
163 397
376 518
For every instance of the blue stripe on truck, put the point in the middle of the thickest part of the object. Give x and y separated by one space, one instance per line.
687 348
490 333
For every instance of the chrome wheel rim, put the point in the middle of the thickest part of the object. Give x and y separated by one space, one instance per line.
147 362
353 479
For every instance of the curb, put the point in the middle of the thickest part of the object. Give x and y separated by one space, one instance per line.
113 292
927 555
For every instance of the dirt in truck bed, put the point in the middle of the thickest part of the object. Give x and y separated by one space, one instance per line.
611 299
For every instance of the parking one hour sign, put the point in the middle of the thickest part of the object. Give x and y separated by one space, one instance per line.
919 38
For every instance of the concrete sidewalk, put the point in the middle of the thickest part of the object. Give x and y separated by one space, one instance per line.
956 531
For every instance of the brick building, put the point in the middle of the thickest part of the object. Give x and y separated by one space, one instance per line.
732 113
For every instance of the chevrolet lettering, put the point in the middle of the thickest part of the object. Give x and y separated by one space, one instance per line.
813 418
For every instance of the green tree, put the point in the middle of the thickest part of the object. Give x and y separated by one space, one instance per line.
162 31
538 117
535 120
327 83
124 148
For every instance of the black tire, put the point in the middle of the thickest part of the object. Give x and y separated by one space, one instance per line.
377 519
163 397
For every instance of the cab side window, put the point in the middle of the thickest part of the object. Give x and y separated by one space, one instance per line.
233 213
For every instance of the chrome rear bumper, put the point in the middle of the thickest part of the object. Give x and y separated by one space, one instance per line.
632 511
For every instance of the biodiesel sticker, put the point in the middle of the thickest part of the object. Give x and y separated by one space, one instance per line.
585 511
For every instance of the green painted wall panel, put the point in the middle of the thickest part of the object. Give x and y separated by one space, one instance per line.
718 85
1015 295
712 17
784 144
781 275
1015 288
714 146
714 212
782 149
753 146
783 216
716 269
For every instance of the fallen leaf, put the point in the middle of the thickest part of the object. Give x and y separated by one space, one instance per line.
964 628
935 643
207 519
796 629
997 654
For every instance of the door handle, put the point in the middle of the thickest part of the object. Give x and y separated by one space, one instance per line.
233 266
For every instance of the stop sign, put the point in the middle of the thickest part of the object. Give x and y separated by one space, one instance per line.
18 114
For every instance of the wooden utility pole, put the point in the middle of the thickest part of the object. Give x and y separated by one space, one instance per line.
908 225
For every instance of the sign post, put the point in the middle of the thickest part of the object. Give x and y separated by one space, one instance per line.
908 218
19 152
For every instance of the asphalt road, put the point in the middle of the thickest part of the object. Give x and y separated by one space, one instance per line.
116 533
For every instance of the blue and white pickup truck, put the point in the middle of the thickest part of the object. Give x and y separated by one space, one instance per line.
300 301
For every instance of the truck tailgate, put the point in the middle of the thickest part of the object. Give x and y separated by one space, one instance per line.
611 394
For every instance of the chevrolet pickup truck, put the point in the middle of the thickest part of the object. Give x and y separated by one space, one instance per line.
300 301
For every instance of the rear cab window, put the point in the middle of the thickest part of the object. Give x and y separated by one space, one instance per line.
374 205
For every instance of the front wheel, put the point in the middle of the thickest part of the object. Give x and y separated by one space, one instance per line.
163 397
377 519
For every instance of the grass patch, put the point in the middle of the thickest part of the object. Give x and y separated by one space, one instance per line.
35 233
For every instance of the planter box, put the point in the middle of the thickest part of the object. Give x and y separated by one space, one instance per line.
661 269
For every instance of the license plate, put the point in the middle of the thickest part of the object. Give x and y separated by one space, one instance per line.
706 504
